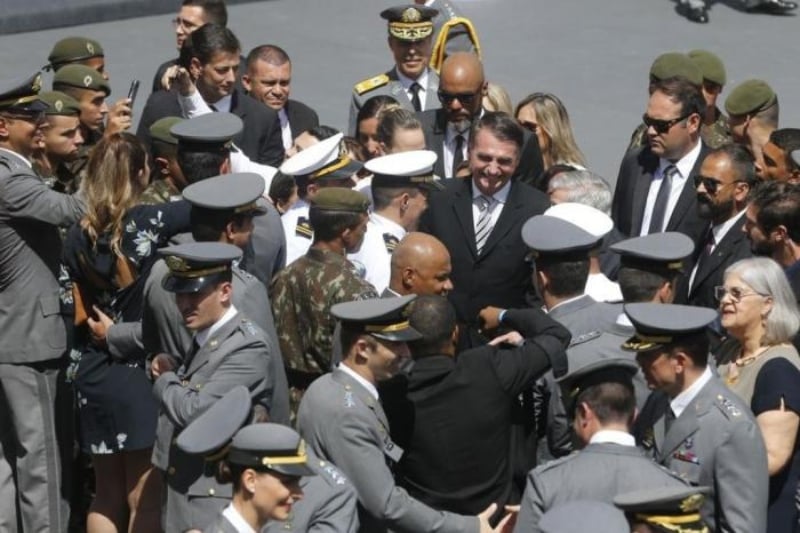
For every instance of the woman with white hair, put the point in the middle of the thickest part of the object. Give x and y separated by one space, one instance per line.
759 310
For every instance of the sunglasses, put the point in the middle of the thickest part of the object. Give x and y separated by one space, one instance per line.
464 98
711 185
662 126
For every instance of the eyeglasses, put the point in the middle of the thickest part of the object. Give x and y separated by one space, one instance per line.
711 185
736 294
185 24
662 126
465 98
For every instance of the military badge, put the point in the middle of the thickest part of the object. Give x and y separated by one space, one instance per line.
390 241
303 228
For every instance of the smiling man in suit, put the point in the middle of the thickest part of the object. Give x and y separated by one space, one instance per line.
655 189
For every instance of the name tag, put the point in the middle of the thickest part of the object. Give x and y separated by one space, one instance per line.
392 450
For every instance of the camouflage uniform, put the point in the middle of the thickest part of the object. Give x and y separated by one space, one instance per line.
159 192
714 135
302 295
77 168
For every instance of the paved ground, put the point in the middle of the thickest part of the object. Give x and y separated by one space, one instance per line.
593 54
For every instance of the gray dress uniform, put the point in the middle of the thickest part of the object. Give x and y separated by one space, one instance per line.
34 331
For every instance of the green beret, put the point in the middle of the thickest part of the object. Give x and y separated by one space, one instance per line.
160 130
80 77
710 65
73 50
750 96
340 199
675 64
60 104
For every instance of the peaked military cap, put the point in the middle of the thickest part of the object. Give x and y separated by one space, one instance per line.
327 159
410 22
657 252
405 169
21 95
583 516
194 266
660 324
673 508
161 130
237 192
384 318
710 65
60 104
80 77
553 236
340 199
272 447
73 50
674 65
611 370
750 96
584 216
209 132
217 425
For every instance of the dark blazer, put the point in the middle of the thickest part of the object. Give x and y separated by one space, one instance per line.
454 417
630 196
301 117
500 276
260 139
434 125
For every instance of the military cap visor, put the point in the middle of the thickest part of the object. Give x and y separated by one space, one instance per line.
215 427
21 95
325 160
672 508
238 192
587 218
410 22
407 169
661 324
612 370
195 266
209 131
383 318
271 447
655 252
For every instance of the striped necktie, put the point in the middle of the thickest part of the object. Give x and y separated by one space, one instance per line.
484 226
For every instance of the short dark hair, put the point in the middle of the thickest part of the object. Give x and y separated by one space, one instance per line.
354 147
208 225
503 127
683 92
215 10
199 165
696 346
567 276
373 106
434 317
742 162
639 286
206 41
610 402
281 187
778 204
383 196
788 140
268 53
329 225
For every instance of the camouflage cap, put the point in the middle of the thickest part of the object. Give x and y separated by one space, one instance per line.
60 104
160 130
675 64
72 50
750 96
710 65
340 199
80 77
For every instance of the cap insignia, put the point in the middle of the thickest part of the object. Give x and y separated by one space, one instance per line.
87 81
59 105
177 264
691 503
411 15
37 83
90 48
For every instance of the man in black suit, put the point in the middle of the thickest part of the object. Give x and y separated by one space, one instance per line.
655 188
207 82
489 265
727 176
268 79
447 130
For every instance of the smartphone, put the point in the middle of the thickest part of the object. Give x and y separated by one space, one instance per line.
133 90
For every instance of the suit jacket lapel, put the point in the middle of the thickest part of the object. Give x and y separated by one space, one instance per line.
462 205
719 256
208 350
397 91
648 165
688 198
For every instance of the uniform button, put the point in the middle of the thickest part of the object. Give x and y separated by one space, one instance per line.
211 492
171 471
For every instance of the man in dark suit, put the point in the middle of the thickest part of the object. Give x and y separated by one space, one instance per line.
489 266
207 82
268 79
447 130
655 189
727 176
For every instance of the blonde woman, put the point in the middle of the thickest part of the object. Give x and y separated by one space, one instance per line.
497 99
544 115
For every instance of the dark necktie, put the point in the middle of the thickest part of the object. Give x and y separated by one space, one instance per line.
415 87
662 199
458 154
669 418
705 253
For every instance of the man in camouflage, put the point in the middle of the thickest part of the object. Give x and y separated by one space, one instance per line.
302 294
62 141
166 177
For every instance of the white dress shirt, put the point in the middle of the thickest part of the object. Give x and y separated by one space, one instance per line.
680 402
613 436
286 129
602 289
719 231
500 198
407 82
449 151
352 373
237 520
203 335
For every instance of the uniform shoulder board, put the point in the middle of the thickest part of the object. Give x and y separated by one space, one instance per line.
586 337
244 273
390 241
303 228
371 84
332 473
248 327
728 407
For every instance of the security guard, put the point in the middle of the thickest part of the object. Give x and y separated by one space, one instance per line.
62 141
665 509
696 426
342 420
411 81
166 178
77 50
400 187
324 164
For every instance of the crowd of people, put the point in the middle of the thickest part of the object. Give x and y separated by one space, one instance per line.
441 320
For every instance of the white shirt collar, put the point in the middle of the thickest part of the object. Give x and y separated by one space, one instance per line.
499 197
236 520
406 82
682 400
352 373
623 320
12 152
720 230
568 300
686 163
613 436
203 335
393 227
224 104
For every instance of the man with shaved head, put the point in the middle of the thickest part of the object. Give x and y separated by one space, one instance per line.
447 130
420 265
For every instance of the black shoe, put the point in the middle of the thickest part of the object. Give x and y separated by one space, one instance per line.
697 14
773 7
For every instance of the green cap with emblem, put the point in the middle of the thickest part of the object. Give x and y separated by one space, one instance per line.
210 432
750 96
410 22
209 132
676 65
237 193
160 130
340 199
660 253
711 66
660 324
80 77
21 95
583 516
326 160
405 169
73 50
194 266
588 372
384 318
60 104
673 508
270 447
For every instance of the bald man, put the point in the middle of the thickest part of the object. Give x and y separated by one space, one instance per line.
447 130
420 265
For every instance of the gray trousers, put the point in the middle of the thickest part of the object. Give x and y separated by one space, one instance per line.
30 465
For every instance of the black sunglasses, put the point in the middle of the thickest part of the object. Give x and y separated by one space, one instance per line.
662 126
464 98
711 185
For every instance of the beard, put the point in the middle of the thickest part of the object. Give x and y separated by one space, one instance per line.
717 212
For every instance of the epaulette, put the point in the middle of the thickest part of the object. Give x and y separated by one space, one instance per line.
390 241
371 84
244 274
248 327
728 407
303 228
332 473
586 337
